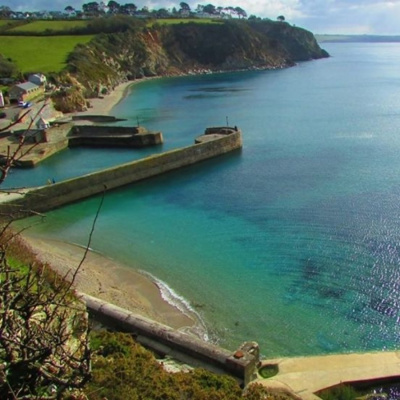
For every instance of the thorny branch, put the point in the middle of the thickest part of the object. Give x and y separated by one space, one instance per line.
44 346
17 153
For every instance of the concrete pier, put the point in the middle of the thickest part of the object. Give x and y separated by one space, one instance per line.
187 348
45 198
305 376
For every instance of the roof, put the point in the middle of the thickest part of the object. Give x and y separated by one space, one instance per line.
27 86
41 122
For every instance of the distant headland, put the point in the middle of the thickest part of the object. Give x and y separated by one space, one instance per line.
95 56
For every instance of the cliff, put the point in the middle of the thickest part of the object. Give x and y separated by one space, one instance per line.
164 50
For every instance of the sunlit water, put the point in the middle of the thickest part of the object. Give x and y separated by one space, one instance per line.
293 242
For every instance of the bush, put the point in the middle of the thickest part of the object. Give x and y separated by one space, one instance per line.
7 68
339 392
122 369
43 336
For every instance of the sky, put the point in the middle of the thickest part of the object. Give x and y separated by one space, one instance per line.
380 17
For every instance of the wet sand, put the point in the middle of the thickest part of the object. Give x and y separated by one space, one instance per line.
110 281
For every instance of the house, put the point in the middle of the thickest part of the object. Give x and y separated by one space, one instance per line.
25 91
37 79
41 123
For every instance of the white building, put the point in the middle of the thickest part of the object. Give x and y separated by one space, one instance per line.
41 123
37 79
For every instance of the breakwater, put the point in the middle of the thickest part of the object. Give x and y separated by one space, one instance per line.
242 363
111 136
213 143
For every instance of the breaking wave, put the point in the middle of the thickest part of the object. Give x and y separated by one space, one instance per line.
180 303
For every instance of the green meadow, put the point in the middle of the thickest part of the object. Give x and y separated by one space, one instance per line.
40 53
42 26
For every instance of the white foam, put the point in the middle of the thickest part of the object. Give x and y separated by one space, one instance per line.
174 299
83 247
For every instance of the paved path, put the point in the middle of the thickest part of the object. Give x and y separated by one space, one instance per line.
306 375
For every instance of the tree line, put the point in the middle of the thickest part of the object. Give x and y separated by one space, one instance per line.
115 8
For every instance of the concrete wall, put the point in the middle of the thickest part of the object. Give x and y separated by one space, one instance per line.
107 136
241 364
56 195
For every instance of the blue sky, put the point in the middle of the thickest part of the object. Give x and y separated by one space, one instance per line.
319 16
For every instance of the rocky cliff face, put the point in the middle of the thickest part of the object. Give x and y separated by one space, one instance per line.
187 48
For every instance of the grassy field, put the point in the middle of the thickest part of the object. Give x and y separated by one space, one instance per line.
4 22
41 26
40 54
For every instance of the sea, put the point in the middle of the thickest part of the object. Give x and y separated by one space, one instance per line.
294 241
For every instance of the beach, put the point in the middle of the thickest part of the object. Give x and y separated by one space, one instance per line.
102 277
108 280
103 105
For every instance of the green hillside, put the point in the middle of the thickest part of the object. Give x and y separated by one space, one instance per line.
44 54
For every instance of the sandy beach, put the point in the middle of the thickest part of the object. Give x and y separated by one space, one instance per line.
104 278
103 106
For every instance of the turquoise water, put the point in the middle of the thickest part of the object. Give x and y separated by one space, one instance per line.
292 242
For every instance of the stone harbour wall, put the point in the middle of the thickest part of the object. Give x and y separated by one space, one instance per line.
106 136
39 200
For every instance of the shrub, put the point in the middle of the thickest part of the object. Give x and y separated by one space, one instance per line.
122 369
339 392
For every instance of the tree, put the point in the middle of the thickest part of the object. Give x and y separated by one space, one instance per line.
128 9
91 8
240 12
7 68
254 18
184 6
113 7
69 9
199 9
5 12
145 10
281 18
162 13
209 9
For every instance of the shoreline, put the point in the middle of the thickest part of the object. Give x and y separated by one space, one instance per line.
100 276
123 285
104 105
110 281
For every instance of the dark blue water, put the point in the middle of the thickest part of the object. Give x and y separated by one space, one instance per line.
293 242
